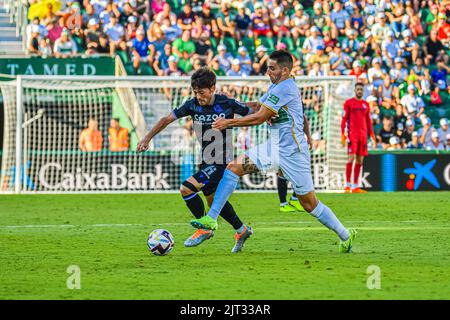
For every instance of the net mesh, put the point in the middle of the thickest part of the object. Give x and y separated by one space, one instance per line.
54 112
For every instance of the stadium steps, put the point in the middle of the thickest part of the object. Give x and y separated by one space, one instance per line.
10 44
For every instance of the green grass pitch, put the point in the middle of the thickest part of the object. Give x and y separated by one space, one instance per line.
290 256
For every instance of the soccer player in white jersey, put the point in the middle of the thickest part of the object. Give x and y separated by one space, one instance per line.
287 149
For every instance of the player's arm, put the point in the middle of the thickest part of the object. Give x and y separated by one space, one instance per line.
306 130
254 106
370 127
344 123
160 126
252 119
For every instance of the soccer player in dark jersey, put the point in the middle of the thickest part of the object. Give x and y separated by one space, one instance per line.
217 150
357 121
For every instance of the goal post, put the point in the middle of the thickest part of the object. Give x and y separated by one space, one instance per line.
45 115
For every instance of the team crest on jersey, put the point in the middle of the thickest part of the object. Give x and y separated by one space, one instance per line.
273 98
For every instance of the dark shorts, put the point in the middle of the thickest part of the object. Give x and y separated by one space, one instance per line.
209 175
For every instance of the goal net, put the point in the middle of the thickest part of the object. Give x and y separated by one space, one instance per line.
44 117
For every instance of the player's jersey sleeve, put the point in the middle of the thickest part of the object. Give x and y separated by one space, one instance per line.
345 116
184 110
239 108
277 98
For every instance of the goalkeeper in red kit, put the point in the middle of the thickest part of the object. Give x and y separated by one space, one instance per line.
357 121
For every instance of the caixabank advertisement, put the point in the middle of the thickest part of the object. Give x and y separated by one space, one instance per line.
407 172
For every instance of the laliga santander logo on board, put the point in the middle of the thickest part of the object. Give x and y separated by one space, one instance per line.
419 173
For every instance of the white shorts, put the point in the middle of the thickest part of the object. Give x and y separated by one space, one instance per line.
296 167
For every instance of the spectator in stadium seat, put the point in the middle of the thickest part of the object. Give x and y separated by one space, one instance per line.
398 75
33 41
376 74
380 29
409 47
92 33
223 57
394 143
185 62
243 23
414 143
318 18
423 75
184 44
386 132
443 130
385 92
225 21
199 29
171 32
91 138
131 28
166 13
162 60
316 70
236 70
196 65
299 23
340 18
443 28
261 22
215 66
158 43
203 49
439 76
448 141
157 6
339 61
114 31
172 68
435 143
329 39
433 49
45 48
357 21
186 18
390 48
357 69
118 137
244 59
311 43
426 131
280 24
413 104
140 50
210 20
409 124
64 46
319 57
89 13
351 45
260 61
36 26
370 47
54 30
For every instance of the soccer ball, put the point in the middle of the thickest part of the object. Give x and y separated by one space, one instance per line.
160 242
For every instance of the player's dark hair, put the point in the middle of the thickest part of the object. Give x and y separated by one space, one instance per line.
283 58
359 84
203 78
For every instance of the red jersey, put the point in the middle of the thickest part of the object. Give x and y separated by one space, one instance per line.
357 119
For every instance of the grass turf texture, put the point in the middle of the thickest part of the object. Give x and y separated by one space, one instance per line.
290 256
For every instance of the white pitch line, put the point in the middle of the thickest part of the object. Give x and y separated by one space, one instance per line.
257 224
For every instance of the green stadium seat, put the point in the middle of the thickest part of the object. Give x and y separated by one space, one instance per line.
249 44
80 45
213 44
123 56
289 43
267 42
146 70
300 42
130 69
231 45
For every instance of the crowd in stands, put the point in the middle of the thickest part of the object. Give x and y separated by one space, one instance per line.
399 49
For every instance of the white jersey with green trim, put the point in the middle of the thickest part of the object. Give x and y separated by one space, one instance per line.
284 99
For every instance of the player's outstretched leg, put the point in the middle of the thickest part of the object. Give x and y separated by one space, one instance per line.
327 217
235 169
194 202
